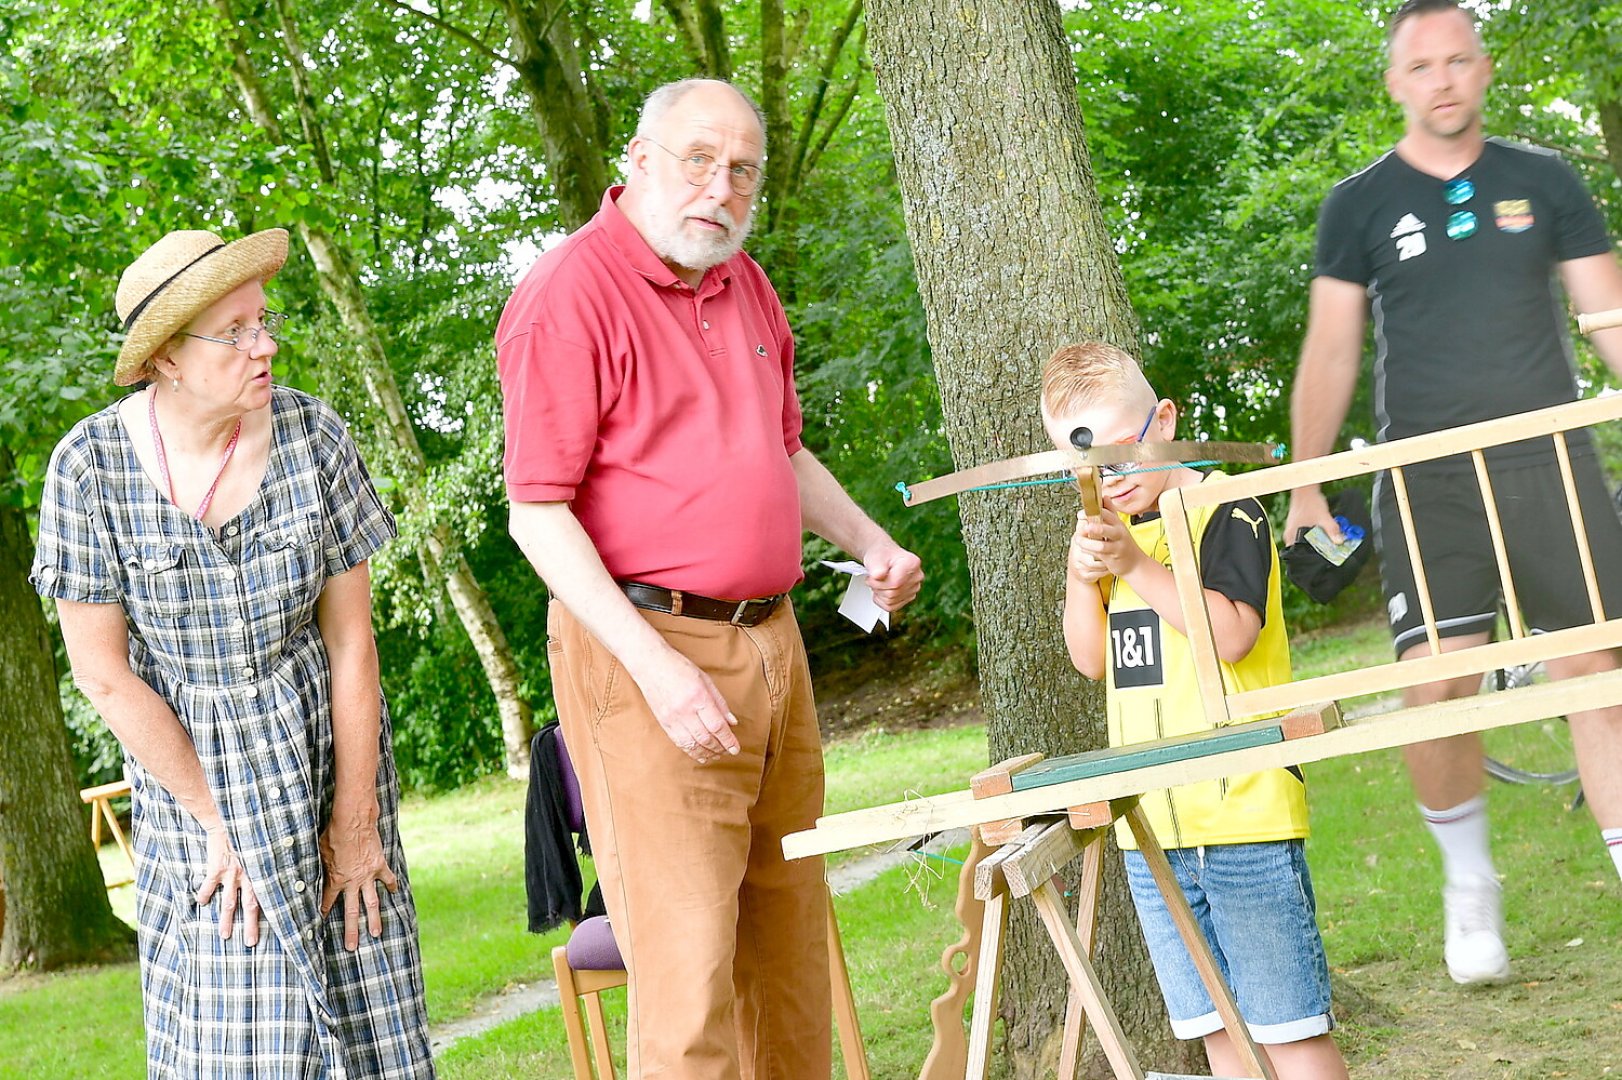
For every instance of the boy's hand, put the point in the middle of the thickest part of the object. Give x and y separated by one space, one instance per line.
1104 542
1085 566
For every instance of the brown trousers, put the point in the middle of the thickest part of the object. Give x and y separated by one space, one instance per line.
725 941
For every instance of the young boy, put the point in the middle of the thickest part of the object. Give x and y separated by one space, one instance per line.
1236 844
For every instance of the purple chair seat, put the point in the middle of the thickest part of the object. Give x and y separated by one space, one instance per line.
592 947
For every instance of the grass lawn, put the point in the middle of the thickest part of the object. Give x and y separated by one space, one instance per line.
1377 883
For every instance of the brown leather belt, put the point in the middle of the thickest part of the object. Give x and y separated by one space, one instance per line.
675 602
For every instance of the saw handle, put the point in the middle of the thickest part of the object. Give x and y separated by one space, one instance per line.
1599 320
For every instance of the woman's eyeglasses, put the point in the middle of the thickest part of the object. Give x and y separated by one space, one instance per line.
1461 224
243 339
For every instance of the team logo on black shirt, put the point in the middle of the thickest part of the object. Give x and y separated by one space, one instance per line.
1514 215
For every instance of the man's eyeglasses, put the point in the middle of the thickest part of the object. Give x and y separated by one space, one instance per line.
1461 224
244 338
697 169
1126 467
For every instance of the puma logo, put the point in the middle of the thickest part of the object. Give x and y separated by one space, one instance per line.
1254 523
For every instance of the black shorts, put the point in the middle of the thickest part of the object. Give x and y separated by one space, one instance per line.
1461 569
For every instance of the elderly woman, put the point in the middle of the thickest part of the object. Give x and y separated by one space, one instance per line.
206 539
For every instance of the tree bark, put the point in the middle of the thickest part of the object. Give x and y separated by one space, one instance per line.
1013 259
335 268
55 911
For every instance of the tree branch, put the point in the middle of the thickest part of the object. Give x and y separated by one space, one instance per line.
841 110
455 31
813 112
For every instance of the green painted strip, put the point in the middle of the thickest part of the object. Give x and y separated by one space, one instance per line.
1116 759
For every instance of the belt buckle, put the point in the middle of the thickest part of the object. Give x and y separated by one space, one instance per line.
743 607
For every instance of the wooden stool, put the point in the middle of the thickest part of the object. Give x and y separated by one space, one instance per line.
101 808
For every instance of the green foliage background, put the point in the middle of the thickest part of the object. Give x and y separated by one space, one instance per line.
1215 129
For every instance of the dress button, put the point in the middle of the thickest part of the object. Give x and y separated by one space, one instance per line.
228 570
289 841
706 324
274 792
252 691
247 672
238 623
262 745
299 886
230 530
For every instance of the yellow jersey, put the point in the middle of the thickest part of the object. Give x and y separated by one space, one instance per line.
1153 694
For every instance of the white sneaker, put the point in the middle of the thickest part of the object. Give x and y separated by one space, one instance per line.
1473 914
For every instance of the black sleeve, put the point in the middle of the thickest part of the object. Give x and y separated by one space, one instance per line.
1340 253
1581 229
1236 556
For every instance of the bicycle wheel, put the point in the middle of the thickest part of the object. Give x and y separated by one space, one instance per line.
1537 752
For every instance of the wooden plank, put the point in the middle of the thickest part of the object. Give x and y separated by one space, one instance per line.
998 779
1400 452
988 981
1199 950
1088 893
1093 815
105 791
1084 982
1038 858
1185 571
849 1025
988 880
997 833
1311 720
1579 528
1416 565
1060 770
1495 529
914 817
1398 674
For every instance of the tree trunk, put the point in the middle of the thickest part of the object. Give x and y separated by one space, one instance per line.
335 268
1610 124
56 909
567 114
1013 259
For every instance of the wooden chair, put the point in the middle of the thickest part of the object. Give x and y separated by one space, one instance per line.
590 964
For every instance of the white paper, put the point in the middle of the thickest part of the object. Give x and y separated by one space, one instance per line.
858 605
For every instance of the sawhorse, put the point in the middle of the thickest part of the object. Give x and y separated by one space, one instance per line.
1028 866
101 808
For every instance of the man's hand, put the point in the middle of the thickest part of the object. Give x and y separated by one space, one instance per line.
1105 542
1308 507
893 573
687 705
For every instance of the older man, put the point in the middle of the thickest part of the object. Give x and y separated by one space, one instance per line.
1461 242
660 489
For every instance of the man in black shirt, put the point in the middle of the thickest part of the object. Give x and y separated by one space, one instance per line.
1454 241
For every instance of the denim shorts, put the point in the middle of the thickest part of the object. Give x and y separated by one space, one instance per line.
1254 903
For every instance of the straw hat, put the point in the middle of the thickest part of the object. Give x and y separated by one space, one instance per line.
178 277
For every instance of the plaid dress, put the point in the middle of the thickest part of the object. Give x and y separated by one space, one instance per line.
223 628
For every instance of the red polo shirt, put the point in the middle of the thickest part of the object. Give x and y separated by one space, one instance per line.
663 414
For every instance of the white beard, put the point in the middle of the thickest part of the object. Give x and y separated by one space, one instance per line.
674 243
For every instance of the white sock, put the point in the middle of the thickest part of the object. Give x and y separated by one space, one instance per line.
1461 834
1613 844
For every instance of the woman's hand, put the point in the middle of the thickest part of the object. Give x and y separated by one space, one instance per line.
352 852
224 874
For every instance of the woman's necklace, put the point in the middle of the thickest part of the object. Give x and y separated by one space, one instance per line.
163 458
